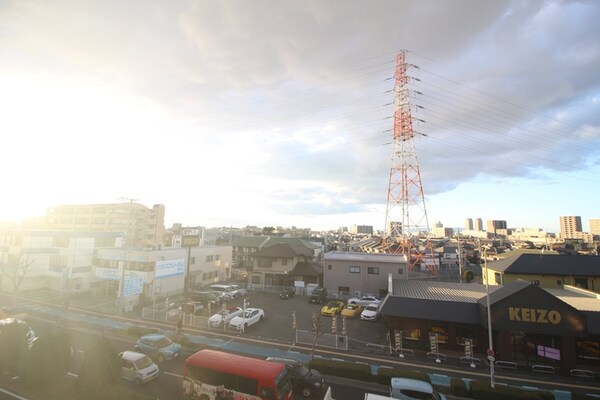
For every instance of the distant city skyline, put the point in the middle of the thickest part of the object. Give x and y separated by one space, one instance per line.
231 117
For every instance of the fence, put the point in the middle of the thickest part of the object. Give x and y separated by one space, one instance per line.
324 339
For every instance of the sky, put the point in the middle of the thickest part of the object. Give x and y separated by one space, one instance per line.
279 113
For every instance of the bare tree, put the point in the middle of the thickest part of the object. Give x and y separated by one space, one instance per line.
316 331
15 270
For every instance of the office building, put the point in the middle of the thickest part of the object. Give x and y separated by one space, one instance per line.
595 226
478 225
496 227
469 224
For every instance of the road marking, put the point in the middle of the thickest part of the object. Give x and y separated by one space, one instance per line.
16 396
173 374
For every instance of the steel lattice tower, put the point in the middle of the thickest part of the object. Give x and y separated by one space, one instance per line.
406 215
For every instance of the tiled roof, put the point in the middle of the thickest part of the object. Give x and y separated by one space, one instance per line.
282 250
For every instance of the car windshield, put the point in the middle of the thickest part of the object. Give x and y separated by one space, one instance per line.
142 363
302 370
332 304
163 342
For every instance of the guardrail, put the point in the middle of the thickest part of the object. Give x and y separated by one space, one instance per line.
542 369
508 365
581 373
438 357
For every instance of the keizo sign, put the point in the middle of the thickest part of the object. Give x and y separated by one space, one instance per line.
190 241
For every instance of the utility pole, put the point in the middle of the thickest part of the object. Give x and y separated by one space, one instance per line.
121 298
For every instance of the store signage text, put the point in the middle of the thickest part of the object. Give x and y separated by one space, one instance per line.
535 315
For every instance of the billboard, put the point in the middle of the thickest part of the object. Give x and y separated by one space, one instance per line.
168 268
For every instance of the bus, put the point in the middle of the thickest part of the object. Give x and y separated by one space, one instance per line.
218 375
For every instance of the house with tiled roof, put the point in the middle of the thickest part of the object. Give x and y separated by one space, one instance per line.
283 261
546 270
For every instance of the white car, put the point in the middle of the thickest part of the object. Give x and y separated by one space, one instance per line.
137 367
364 300
240 290
370 312
413 389
224 315
251 317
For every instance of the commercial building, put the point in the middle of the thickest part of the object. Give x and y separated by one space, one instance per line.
496 227
143 226
559 328
356 273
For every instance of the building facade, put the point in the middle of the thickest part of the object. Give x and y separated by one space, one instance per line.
570 227
360 273
141 225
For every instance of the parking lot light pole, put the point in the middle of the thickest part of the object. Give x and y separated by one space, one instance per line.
491 356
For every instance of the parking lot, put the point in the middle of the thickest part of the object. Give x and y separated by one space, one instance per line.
277 324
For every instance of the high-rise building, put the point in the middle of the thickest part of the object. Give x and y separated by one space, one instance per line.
361 229
478 225
595 226
469 224
493 226
570 227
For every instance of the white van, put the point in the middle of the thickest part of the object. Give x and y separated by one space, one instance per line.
226 290
137 367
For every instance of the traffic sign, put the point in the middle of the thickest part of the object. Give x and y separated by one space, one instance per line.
490 353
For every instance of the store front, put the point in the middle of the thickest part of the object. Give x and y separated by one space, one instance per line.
531 326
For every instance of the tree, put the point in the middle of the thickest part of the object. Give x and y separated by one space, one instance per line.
268 230
315 330
101 369
13 347
48 361
15 270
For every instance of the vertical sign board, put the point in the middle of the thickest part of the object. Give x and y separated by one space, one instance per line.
468 347
398 339
167 268
433 342
133 283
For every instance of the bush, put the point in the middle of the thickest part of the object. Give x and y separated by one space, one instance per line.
483 391
138 331
343 369
384 375
458 387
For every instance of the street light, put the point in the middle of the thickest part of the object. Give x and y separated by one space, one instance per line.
490 352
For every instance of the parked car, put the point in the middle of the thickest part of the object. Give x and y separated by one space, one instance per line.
30 335
224 315
193 307
307 381
413 389
287 293
249 318
364 301
241 291
225 290
334 307
206 297
158 347
370 312
318 295
137 367
351 311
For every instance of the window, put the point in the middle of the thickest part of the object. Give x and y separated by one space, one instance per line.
535 282
400 271
256 279
329 267
284 261
354 270
441 332
373 270
209 258
558 282
344 289
498 278
218 257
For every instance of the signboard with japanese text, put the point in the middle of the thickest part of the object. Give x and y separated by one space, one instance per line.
168 268
133 283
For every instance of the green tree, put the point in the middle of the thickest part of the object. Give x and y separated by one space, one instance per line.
100 371
13 348
268 230
48 361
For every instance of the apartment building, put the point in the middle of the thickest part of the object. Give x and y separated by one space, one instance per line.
570 227
595 227
469 224
496 227
478 225
141 225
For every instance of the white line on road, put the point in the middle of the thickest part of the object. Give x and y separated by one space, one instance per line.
16 396
172 374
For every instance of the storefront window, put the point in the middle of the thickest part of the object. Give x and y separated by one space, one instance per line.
462 334
412 331
588 349
441 332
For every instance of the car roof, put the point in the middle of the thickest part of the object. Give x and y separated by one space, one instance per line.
282 360
413 384
132 355
153 336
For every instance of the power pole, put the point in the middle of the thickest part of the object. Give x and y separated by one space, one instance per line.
406 215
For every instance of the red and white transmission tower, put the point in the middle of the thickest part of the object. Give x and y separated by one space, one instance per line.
406 217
